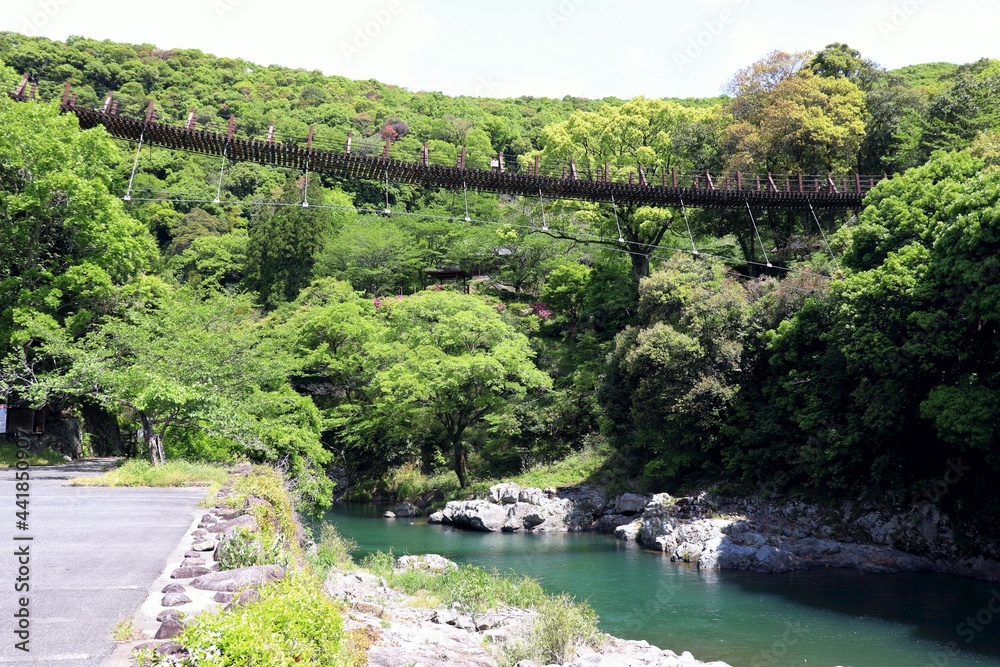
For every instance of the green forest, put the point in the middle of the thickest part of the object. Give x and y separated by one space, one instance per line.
211 316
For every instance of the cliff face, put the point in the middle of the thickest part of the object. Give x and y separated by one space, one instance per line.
738 533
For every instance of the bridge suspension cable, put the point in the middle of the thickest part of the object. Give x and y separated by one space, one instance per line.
361 160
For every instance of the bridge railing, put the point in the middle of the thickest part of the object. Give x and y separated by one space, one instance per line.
409 150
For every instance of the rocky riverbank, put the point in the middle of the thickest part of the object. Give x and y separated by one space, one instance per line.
391 628
405 633
727 533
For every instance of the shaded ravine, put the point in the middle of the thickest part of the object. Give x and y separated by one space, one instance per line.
818 617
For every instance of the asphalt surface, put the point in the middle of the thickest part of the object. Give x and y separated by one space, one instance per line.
93 556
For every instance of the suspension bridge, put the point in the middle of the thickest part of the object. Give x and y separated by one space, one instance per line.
530 179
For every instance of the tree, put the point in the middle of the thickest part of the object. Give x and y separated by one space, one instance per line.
839 60
640 132
566 290
70 251
373 254
284 241
896 373
805 123
671 381
456 361
194 362
752 85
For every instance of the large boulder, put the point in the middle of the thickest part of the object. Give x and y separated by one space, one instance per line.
524 516
629 532
406 510
507 493
630 503
532 496
477 515
609 523
355 585
246 521
244 577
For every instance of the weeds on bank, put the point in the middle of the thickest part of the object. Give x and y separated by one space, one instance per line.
46 457
173 473
332 551
276 516
292 623
474 589
125 630
561 623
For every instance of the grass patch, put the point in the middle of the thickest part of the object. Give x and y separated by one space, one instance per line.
574 470
46 457
561 624
474 589
332 551
135 472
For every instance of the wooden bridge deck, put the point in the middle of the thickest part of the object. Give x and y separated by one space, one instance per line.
821 192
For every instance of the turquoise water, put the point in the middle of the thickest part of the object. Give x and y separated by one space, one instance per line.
817 618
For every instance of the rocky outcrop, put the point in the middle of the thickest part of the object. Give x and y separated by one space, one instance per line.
707 533
407 635
407 510
736 533
427 563
510 508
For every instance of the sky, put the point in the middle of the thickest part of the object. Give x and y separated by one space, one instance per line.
544 48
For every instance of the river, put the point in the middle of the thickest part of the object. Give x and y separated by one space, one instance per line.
818 618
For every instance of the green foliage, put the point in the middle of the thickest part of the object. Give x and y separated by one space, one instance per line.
276 516
332 551
562 626
575 468
245 548
196 362
286 239
125 630
896 373
46 457
474 589
70 251
870 382
672 381
374 255
453 358
566 290
293 623
805 123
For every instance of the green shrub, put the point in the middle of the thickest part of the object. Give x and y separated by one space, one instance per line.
245 548
562 626
291 625
276 516
332 550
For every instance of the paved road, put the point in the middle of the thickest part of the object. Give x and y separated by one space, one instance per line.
93 556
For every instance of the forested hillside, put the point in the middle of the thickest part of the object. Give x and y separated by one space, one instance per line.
842 355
